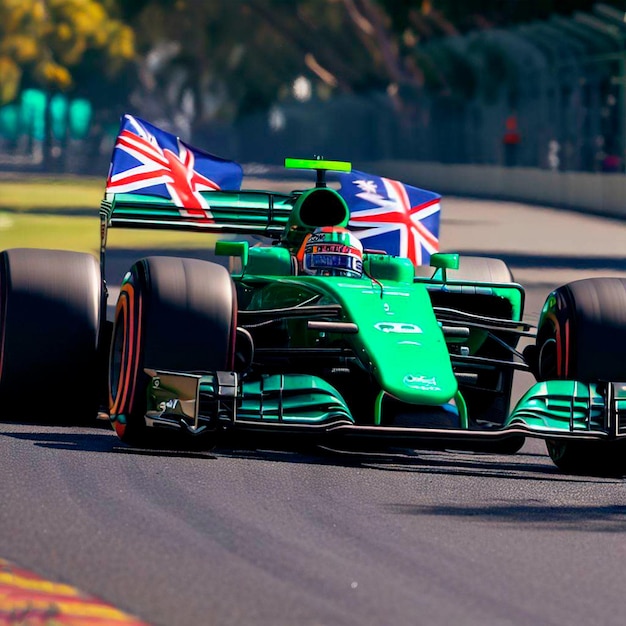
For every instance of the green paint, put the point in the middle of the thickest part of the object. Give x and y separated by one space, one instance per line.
381 326
378 408
560 405
318 164
462 409
292 398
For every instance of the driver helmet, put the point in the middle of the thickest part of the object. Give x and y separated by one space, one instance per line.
332 251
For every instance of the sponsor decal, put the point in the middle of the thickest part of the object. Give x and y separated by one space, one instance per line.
421 382
330 248
398 327
316 237
170 405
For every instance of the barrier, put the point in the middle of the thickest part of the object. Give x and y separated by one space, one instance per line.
600 193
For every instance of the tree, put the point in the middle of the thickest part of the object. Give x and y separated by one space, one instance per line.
44 42
202 60
242 56
239 57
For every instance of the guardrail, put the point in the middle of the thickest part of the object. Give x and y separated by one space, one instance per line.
601 193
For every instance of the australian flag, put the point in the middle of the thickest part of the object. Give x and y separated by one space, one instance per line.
392 217
150 161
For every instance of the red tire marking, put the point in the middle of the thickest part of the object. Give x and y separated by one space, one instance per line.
136 348
121 312
125 310
129 310
566 349
128 349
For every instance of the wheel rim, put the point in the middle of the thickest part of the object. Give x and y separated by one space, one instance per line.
547 360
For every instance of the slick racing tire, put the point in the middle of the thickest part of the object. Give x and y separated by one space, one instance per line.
50 320
174 314
582 332
589 458
582 336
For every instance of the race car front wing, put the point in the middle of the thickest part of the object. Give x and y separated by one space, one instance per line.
307 405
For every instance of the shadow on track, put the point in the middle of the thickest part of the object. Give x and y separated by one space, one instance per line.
85 442
518 467
96 441
494 466
605 518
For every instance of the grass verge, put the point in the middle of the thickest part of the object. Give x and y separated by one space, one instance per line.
63 214
82 234
50 195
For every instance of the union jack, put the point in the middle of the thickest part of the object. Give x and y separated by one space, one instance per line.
390 216
151 161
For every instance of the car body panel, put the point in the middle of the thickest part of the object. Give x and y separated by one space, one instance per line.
397 330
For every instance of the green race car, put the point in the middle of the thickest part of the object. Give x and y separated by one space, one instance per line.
311 339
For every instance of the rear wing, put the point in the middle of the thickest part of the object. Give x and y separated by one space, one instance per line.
246 212
241 211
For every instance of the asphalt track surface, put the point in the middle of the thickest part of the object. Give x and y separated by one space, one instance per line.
274 538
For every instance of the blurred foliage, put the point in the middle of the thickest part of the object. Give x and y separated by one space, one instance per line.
201 61
233 58
472 14
43 41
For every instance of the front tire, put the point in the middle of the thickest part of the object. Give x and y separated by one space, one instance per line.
582 336
175 314
582 332
588 458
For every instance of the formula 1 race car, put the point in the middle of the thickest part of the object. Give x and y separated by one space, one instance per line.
308 338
